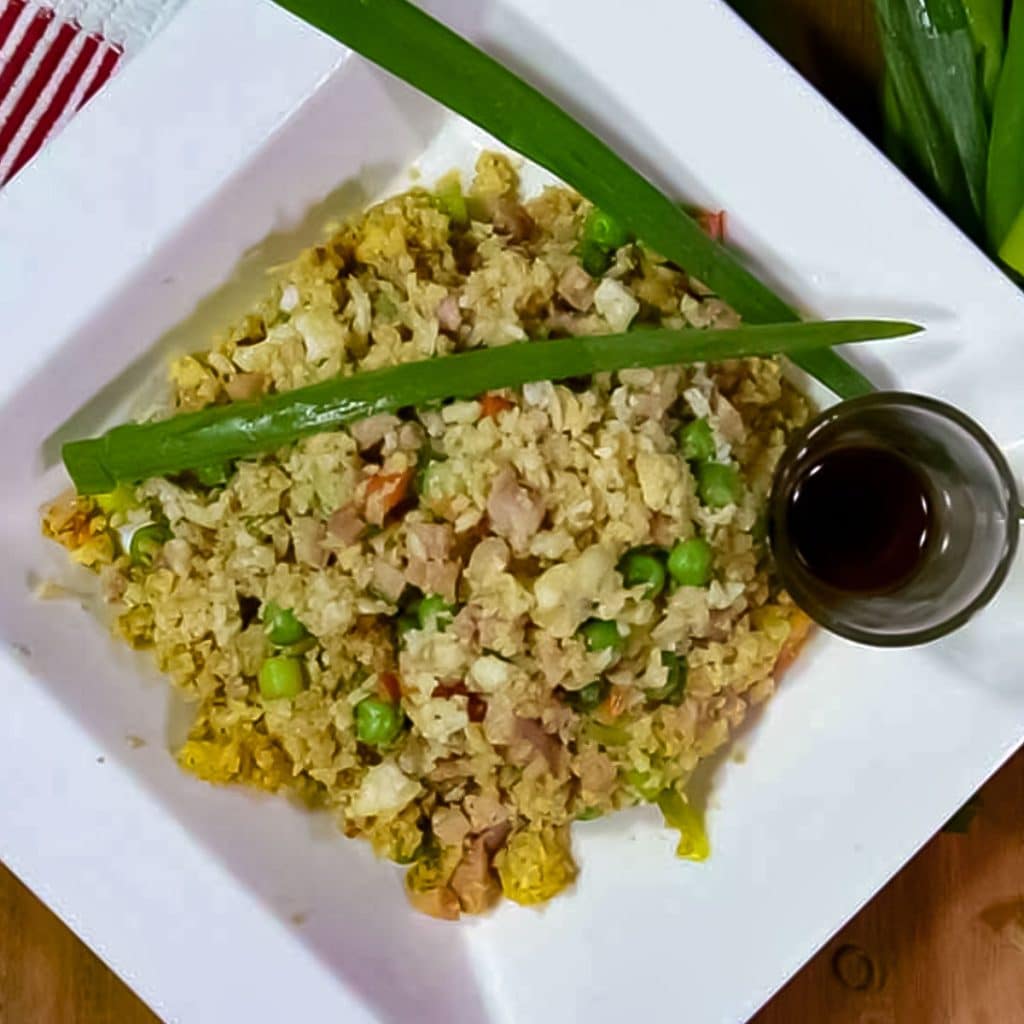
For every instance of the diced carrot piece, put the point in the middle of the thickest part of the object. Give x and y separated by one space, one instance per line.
457 688
384 492
476 708
491 405
389 686
713 223
616 702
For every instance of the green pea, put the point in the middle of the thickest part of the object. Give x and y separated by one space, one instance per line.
378 722
589 698
604 231
718 484
696 442
282 625
675 686
434 611
643 568
602 635
281 678
689 562
146 543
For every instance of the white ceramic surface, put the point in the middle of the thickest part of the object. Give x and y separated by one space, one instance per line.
221 906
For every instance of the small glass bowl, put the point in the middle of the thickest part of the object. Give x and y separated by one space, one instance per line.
976 512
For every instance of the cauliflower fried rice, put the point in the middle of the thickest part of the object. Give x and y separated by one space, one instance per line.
449 627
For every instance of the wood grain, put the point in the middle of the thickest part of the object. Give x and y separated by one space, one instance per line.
943 944
834 45
47 976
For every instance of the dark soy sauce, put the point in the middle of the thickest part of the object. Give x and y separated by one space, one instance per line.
860 519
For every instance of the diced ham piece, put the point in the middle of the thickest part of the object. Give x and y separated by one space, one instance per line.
429 567
450 826
541 742
434 577
474 882
388 581
485 812
596 771
346 525
510 218
515 512
663 530
245 386
495 836
449 313
308 537
429 540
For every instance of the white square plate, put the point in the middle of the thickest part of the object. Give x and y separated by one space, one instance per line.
219 906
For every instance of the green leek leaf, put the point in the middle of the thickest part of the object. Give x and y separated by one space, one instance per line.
1006 154
404 40
930 60
985 18
1012 250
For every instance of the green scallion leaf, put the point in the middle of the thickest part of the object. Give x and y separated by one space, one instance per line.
219 433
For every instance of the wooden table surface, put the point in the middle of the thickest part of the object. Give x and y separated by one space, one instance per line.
943 944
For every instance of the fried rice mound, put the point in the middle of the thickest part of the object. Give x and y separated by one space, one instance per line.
457 572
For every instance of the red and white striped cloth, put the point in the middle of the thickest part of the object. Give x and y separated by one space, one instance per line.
54 57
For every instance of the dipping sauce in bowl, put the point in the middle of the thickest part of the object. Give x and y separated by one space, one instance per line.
893 519
881 512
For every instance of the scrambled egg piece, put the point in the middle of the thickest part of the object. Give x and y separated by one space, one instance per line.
535 866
